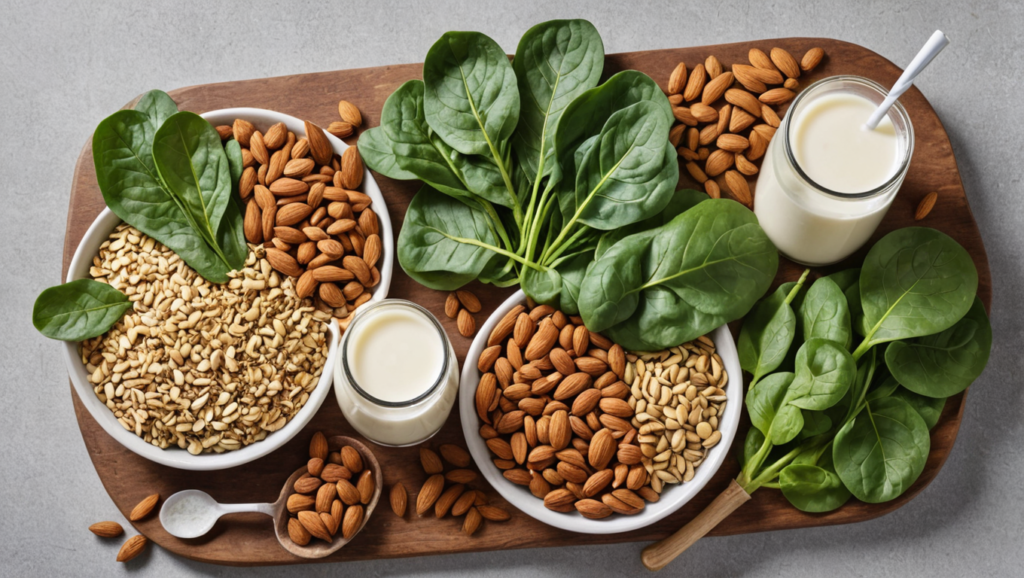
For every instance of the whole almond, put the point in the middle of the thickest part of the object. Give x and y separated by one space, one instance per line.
225 131
677 80
744 100
290 235
359 268
758 146
712 189
352 521
292 214
299 502
300 149
465 323
464 503
399 499
769 115
810 60
335 472
629 498
510 422
485 391
747 77
298 533
524 330
319 146
518 476
695 84
926 205
349 113
307 485
330 521
703 112
287 187
448 499
351 168
559 430
786 63
325 495
718 162
713 66
776 96
472 522
298 168
315 466
542 341
767 132
468 299
429 493
500 448
316 196
132 547
347 492
602 446
143 508
351 459
759 59
573 385
586 401
675 136
314 524
618 506
559 500
286 264
740 120
332 295
716 88
341 129
744 166
258 148
430 461
732 143
243 130
451 305
791 83
252 224
246 182
276 167
763 75
264 198
455 455
305 253
580 340
684 115
505 326
275 136
561 361
106 529
724 117
366 486
329 247
737 184
593 509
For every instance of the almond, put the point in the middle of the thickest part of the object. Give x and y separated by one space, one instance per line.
314 524
464 503
926 205
505 326
561 361
695 84
539 487
629 454
777 96
724 117
500 448
762 75
246 182
298 533
352 521
518 476
592 509
290 235
224 131
132 548
349 113
747 77
465 323
347 492
591 365
331 295
786 63
617 360
618 505
264 198
316 195
275 136
738 186
573 385
335 472
718 162
559 500
707 135
258 148
331 274
542 341
676 134
732 143
629 498
319 146
315 466
716 88
677 80
586 402
106 529
286 187
603 445
759 59
703 112
329 522
597 482
758 146
299 502
351 168
466 297
306 485
810 60
769 116
744 100
429 493
351 459
580 340
484 394
328 247
615 406
524 329
713 66
243 131
684 115
510 422
252 225
744 166
399 499
366 486
791 83
455 455
558 429
358 267
298 168
341 129
472 522
766 132
325 497
143 508
448 499
292 214
430 461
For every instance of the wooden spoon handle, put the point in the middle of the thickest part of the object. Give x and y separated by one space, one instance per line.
658 555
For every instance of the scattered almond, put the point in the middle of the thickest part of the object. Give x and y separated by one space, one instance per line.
132 547
399 499
926 205
143 508
106 529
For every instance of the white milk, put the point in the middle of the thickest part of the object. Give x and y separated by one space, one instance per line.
827 141
397 376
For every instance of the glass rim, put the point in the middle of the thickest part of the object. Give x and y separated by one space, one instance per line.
359 316
900 111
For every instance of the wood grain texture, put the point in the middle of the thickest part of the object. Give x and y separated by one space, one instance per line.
248 539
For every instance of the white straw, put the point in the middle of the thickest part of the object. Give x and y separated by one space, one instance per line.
931 49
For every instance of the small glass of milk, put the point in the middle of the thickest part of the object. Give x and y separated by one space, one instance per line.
397 376
827 180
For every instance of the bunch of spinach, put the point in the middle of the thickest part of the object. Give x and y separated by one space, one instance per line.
877 352
165 173
530 167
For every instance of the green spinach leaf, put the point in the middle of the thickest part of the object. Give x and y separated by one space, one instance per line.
814 488
769 412
768 331
683 200
825 313
945 363
824 373
882 451
929 408
78 310
158 106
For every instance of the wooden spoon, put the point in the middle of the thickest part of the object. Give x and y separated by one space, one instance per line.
278 510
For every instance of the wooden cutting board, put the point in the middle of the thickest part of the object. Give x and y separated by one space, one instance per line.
248 539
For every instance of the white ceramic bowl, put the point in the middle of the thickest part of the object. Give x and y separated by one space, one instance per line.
674 496
175 457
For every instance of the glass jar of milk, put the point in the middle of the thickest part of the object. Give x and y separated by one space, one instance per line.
827 180
397 376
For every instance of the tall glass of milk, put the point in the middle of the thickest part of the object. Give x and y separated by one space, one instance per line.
397 376
827 180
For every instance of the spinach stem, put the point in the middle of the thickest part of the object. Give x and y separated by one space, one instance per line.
499 226
565 245
497 250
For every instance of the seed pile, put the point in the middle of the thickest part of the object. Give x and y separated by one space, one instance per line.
204 367
722 140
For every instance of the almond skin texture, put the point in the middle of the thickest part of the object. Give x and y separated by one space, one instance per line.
349 113
351 459
319 147
352 522
351 168
366 486
455 455
716 88
106 529
399 499
469 300
429 493
451 306
465 323
677 81
430 461
737 184
786 63
318 446
926 205
695 84
347 492
298 533
472 521
143 508
810 60
132 548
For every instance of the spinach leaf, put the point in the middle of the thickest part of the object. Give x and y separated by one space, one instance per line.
236 165
158 106
542 286
572 273
813 488
683 200
815 423
929 408
914 282
769 412
630 172
882 451
586 116
768 331
444 243
193 167
751 444
78 310
825 313
946 363
471 99
555 62
666 284
122 155
824 373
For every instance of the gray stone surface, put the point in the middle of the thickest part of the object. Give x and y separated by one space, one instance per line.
64 66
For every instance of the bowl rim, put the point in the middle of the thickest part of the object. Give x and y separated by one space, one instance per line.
673 498
176 457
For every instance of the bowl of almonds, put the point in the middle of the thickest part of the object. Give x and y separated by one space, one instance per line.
587 437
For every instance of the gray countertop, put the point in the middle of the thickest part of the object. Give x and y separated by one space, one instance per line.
65 66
